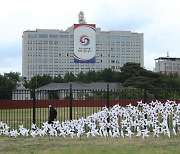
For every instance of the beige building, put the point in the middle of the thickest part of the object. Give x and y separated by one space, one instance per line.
51 51
167 65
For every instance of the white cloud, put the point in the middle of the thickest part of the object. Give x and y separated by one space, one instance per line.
11 64
157 19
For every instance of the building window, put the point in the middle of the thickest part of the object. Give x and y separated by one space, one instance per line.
55 60
50 54
123 49
71 36
56 72
50 66
39 60
135 37
53 36
45 54
50 60
55 66
127 49
63 36
50 42
40 42
56 54
115 37
45 42
40 66
122 43
32 35
45 60
55 48
125 37
45 48
71 42
40 48
51 72
45 66
43 36
50 48
55 42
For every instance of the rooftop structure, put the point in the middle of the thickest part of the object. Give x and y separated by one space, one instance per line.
167 65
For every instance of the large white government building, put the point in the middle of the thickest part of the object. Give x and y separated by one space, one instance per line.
56 52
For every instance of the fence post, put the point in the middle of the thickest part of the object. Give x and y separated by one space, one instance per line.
70 103
34 106
107 104
107 101
145 95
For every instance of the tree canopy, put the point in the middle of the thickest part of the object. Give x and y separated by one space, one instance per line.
38 81
131 75
8 81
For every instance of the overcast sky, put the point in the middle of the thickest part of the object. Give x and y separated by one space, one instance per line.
159 20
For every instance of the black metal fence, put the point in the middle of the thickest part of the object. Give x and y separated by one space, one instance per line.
31 106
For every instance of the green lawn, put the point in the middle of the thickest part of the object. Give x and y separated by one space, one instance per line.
97 145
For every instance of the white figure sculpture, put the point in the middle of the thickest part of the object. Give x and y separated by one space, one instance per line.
81 18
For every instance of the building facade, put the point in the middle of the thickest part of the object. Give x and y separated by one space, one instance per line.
51 51
167 65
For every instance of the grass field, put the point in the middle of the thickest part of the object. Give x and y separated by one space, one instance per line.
97 145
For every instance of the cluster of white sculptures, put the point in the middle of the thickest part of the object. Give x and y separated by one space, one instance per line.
118 121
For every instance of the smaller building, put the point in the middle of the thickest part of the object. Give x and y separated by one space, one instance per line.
80 90
21 93
167 65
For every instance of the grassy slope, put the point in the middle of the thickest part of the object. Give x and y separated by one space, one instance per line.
90 145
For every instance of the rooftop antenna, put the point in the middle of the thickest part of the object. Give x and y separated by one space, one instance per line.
167 54
81 18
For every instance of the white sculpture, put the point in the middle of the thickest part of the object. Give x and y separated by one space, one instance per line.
81 18
98 125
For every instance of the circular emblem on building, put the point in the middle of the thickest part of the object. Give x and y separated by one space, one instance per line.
84 40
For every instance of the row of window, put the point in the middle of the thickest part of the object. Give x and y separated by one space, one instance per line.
168 68
50 42
53 68
72 43
172 64
40 54
63 61
98 49
117 55
49 36
118 37
46 48
117 43
119 50
72 36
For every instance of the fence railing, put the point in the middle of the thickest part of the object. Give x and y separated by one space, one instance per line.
31 106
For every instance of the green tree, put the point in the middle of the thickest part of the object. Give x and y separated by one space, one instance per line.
92 76
108 75
69 77
141 82
8 82
130 70
172 82
133 75
58 79
38 81
81 77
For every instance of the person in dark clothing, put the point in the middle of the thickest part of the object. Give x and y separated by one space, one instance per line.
52 114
